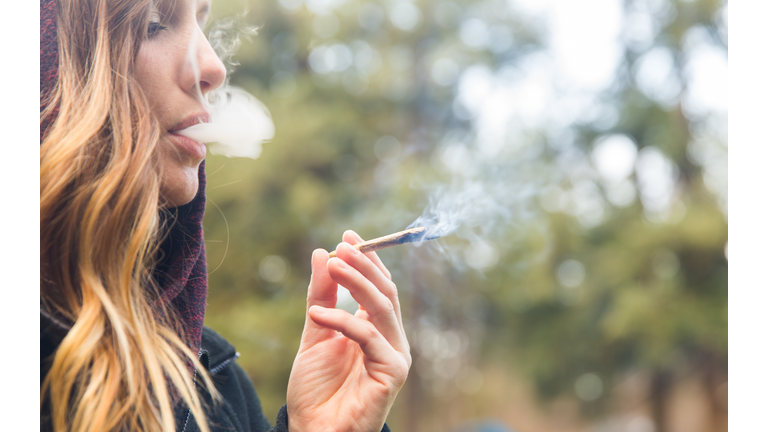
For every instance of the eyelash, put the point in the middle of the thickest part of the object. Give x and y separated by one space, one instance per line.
154 27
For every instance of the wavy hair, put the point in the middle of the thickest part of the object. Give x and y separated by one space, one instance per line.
122 365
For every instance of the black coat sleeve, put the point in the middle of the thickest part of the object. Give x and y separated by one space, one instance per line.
240 408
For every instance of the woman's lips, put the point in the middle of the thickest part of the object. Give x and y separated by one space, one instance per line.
191 120
192 148
189 146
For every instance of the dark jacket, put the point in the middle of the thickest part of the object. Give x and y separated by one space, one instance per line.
240 409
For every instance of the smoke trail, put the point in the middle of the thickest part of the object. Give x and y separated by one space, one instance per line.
487 203
240 123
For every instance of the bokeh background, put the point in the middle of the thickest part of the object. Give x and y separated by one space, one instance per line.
587 141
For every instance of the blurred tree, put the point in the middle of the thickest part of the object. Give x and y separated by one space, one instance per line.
605 254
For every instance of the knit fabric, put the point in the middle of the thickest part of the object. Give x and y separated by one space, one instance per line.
49 57
182 272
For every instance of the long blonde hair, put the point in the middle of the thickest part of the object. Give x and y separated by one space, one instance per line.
122 365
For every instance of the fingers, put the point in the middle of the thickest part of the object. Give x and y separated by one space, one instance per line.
373 345
321 292
353 238
388 289
385 286
369 287
373 273
322 288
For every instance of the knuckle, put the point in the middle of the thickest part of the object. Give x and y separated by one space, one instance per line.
389 308
400 374
370 333
391 287
407 350
384 309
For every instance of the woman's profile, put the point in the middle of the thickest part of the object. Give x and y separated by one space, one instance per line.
123 278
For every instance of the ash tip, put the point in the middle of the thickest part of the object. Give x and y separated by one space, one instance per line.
422 234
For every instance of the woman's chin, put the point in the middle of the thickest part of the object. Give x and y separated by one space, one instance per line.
179 187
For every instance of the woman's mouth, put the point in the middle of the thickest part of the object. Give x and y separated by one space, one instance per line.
191 120
189 146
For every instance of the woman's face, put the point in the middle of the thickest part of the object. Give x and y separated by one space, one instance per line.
164 71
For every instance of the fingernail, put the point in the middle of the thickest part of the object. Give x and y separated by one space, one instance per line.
354 234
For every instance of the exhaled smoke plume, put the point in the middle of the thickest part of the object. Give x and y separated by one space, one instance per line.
240 123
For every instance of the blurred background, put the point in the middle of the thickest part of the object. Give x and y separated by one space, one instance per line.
585 143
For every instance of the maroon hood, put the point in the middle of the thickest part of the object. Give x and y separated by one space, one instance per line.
49 56
182 271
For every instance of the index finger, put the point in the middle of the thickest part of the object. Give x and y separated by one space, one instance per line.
353 238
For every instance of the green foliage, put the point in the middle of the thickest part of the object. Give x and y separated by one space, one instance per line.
653 296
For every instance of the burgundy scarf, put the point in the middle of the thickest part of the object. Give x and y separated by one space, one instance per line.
182 271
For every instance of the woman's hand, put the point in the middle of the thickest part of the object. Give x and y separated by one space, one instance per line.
349 367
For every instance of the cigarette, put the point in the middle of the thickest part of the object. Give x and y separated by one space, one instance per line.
408 236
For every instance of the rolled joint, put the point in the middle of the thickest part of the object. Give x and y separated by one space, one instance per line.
411 235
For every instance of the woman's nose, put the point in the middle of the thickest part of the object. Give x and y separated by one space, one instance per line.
212 70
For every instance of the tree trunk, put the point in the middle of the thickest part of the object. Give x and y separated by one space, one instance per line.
661 386
414 387
712 377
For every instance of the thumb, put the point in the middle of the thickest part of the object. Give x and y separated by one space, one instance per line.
322 289
321 292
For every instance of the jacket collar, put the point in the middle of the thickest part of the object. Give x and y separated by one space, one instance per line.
216 352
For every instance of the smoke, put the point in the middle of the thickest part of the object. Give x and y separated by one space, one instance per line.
462 202
239 122
483 203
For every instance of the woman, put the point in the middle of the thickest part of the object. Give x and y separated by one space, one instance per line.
123 278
